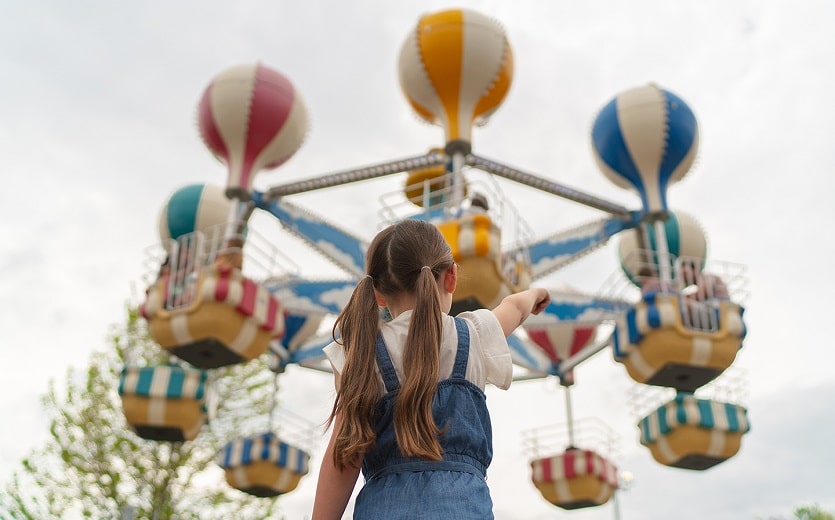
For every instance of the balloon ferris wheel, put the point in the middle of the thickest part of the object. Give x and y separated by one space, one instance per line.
224 294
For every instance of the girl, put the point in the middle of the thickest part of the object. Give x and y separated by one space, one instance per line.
410 408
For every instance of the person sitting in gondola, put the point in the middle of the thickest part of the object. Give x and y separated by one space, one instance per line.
478 205
708 286
649 281
702 292
231 255
712 287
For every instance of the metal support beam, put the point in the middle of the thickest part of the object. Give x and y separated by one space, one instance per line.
547 186
569 413
568 364
356 175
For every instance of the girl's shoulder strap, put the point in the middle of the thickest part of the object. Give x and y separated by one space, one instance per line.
386 366
459 369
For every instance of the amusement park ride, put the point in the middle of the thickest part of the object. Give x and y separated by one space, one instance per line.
224 294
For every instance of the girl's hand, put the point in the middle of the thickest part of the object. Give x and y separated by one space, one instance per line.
542 299
516 308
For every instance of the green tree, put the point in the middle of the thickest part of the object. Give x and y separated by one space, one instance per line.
94 466
807 512
813 512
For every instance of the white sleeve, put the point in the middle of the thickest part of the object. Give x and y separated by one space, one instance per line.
492 346
336 355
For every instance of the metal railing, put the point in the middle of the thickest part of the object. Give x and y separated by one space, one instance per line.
436 203
701 285
179 261
588 433
730 387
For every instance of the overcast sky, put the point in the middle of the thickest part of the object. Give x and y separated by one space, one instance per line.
97 128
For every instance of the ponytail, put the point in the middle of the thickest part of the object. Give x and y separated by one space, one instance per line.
414 425
358 392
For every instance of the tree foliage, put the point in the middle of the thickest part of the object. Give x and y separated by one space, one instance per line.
807 512
94 466
813 512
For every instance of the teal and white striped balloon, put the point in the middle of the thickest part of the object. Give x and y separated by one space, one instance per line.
685 237
196 207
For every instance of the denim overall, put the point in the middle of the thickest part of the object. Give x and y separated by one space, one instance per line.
399 487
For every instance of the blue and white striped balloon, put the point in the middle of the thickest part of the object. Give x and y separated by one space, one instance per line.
646 139
196 207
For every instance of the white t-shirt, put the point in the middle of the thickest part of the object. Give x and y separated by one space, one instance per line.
489 360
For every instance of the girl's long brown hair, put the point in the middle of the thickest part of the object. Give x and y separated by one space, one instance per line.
394 263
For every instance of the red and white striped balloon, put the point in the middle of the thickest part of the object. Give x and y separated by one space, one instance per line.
251 118
560 341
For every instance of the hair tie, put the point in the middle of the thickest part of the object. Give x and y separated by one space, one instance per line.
425 267
369 277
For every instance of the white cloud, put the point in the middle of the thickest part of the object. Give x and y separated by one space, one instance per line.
338 296
343 260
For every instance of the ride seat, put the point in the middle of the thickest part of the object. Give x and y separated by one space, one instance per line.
164 403
575 479
231 319
657 349
263 466
476 247
693 433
